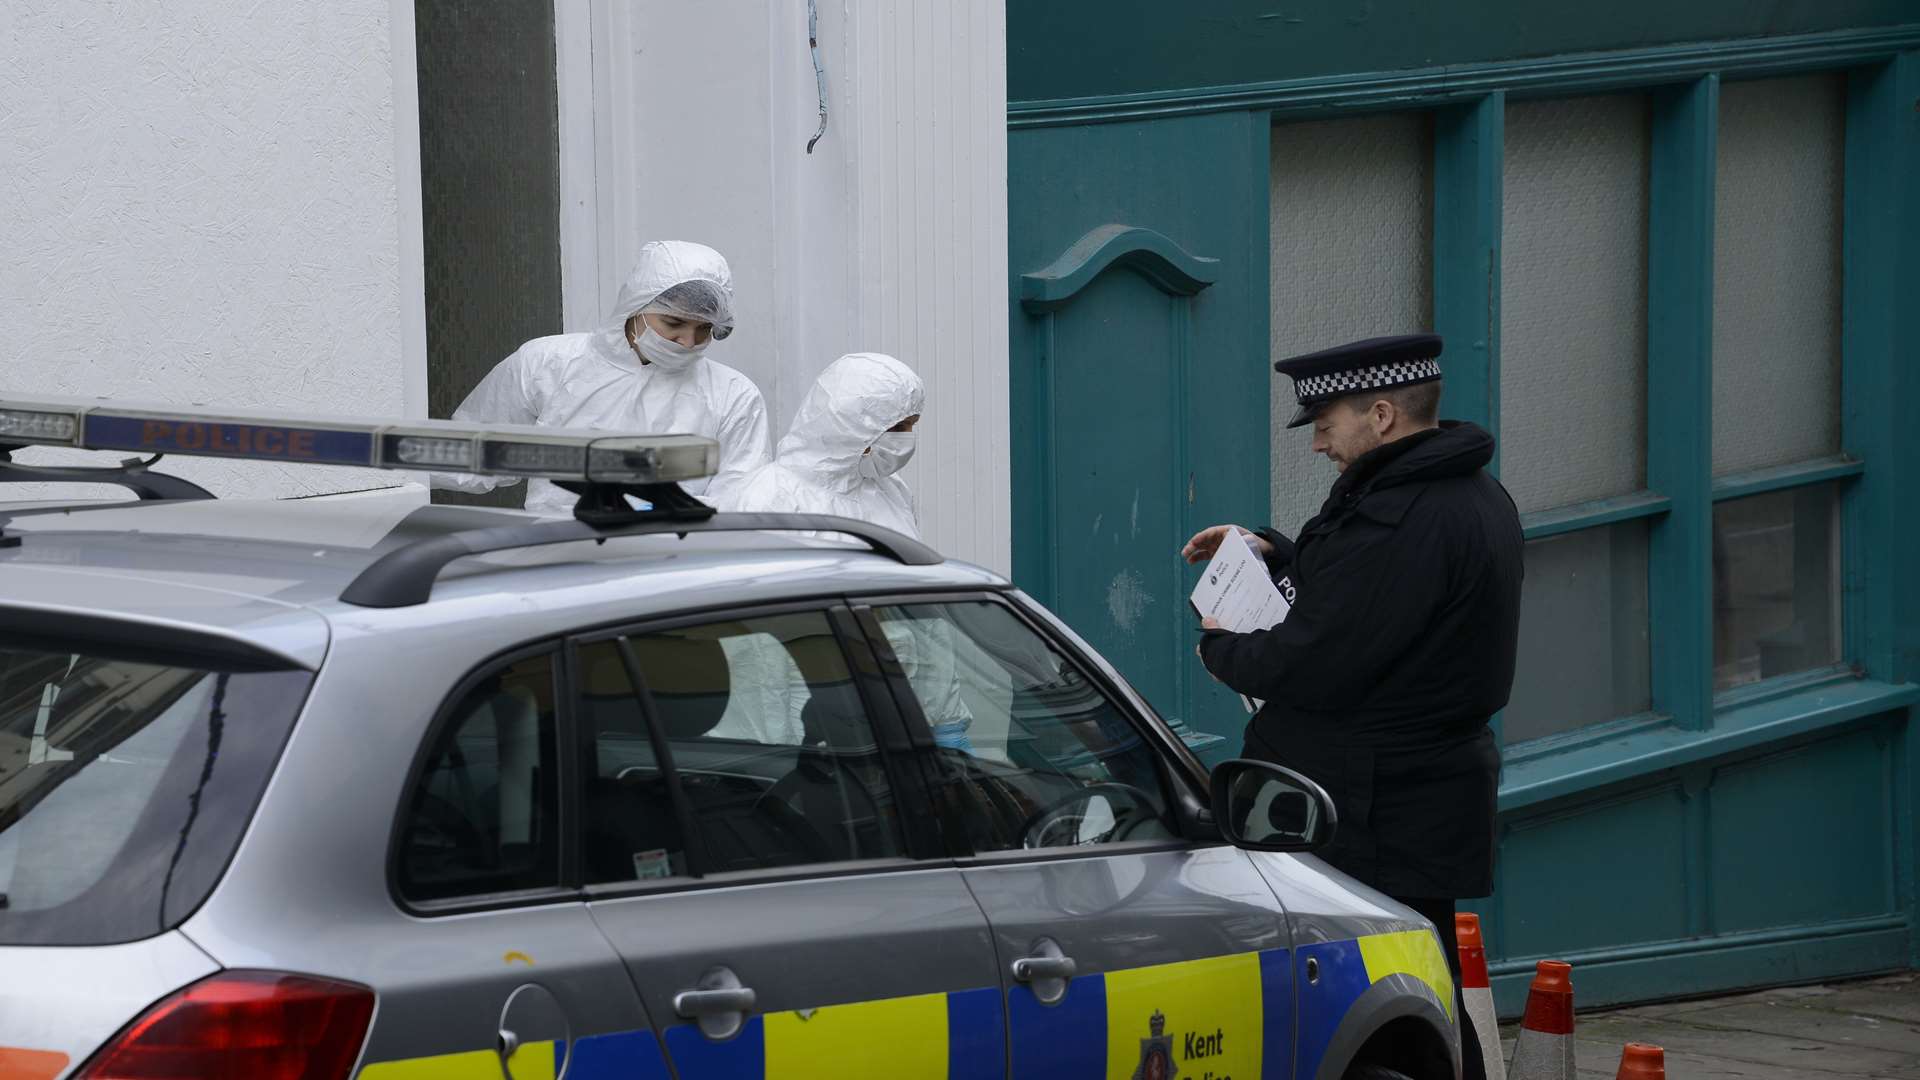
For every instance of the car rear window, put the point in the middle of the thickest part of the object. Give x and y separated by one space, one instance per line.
125 783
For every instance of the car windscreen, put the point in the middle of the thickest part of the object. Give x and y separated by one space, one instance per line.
126 780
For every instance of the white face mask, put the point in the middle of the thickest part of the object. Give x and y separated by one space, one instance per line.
892 451
669 356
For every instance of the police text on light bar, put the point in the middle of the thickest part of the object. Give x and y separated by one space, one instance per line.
422 445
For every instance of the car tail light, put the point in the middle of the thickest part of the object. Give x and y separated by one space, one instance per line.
265 1025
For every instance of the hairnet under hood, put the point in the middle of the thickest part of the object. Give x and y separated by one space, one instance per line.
660 266
853 403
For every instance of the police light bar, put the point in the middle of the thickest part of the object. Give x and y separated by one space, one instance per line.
421 445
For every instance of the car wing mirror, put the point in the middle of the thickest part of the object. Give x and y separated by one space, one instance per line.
1261 806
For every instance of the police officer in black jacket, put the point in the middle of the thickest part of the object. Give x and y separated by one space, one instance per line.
1400 645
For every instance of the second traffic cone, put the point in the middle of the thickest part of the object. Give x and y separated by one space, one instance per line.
1642 1062
1477 993
1545 1049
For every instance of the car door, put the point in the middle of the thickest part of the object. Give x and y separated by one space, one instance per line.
497 968
1125 948
759 851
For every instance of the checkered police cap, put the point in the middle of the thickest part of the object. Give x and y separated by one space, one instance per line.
1374 364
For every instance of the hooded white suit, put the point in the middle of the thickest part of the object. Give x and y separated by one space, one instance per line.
823 467
596 381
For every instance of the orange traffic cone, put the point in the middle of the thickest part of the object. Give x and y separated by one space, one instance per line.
1477 993
1545 1049
1642 1062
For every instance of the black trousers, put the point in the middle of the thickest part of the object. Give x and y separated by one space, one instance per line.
1441 912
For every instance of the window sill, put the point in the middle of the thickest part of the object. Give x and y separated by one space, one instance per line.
1748 695
1565 742
1637 748
1537 524
1743 485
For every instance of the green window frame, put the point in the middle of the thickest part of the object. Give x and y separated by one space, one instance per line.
1877 467
1681 489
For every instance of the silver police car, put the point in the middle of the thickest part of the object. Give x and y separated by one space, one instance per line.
359 786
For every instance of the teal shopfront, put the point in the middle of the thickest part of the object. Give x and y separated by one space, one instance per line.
1675 254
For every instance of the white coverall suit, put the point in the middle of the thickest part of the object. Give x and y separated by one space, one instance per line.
823 467
596 381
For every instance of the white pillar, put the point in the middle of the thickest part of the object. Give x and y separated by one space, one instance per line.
931 256
890 237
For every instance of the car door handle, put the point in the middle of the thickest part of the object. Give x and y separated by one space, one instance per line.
693 1004
1029 968
717 1003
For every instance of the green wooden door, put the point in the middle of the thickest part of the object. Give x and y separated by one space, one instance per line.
1140 385
1117 362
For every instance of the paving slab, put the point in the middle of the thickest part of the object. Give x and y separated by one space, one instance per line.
1809 1025
1596 1062
1897 998
1892 997
1754 1046
1867 1030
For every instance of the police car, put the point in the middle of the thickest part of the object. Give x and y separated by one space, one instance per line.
359 786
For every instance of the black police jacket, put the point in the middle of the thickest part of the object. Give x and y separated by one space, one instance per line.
1399 648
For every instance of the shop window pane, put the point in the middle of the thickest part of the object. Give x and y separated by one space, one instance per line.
1584 654
1573 300
1776 584
1351 258
1776 272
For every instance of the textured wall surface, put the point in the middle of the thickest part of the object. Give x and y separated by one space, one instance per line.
1352 258
1776 272
199 204
1573 303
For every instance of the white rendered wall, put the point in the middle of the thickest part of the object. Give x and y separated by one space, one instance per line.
690 122
930 81
212 202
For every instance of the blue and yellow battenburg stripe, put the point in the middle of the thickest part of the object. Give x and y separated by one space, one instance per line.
1350 968
956 1034
1223 1018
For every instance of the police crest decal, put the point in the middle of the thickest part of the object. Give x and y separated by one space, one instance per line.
1156 1052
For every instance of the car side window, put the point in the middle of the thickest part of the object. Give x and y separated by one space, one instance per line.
483 815
769 740
1043 758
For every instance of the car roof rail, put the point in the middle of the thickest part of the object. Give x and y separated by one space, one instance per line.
405 576
132 474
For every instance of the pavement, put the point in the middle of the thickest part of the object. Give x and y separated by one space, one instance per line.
1868 1029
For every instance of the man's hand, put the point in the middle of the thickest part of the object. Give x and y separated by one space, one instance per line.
1207 541
1208 623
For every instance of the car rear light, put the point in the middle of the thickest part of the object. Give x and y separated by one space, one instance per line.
266 1025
